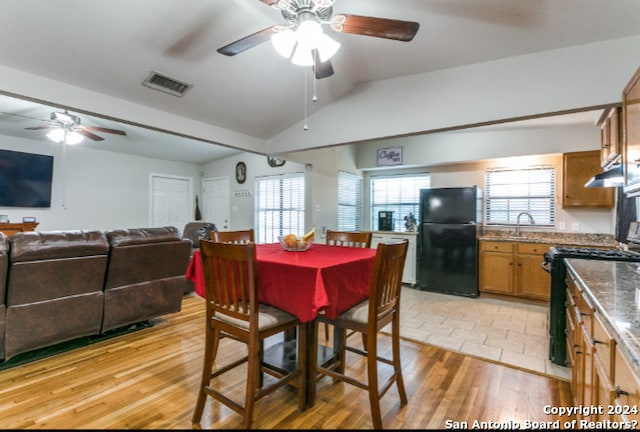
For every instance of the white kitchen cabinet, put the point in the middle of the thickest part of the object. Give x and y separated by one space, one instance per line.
409 274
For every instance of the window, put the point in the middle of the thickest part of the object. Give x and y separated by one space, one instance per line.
279 206
510 192
349 201
399 194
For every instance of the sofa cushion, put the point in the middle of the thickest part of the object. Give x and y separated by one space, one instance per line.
136 236
42 245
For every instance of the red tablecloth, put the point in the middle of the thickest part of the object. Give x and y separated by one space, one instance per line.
324 278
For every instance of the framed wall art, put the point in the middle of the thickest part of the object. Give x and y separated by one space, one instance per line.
389 156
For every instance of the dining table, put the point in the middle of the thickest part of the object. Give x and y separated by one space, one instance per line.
324 279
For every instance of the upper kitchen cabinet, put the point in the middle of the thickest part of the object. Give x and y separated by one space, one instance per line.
578 168
610 136
631 135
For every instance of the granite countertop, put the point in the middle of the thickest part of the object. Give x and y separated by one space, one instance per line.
614 287
554 238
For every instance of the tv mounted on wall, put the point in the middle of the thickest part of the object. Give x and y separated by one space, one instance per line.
25 179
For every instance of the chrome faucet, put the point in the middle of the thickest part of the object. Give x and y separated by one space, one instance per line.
531 221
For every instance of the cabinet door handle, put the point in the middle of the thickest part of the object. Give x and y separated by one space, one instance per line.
596 341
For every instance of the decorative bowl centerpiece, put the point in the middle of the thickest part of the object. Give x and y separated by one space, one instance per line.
292 243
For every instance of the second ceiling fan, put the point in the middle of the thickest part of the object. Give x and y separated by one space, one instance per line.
302 39
66 124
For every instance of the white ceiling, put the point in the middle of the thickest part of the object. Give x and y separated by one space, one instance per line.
109 47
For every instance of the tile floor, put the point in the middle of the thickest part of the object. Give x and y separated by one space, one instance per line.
498 330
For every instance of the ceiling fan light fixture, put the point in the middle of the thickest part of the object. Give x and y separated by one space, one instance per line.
63 136
309 32
302 56
284 42
327 47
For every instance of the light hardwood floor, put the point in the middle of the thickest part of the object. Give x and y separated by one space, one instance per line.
148 380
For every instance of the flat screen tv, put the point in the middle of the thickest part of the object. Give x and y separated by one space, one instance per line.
25 179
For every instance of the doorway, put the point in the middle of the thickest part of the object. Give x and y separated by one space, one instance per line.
216 202
171 201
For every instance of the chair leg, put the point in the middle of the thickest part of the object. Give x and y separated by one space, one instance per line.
207 366
312 360
397 366
303 364
326 333
339 347
372 380
217 335
254 368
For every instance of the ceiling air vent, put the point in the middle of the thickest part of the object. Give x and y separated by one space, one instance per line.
166 84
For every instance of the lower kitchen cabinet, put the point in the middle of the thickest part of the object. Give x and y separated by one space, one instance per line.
496 267
601 375
409 274
514 268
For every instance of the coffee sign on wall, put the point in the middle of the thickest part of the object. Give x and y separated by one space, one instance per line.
390 156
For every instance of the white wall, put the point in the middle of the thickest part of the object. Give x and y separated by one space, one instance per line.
482 143
460 158
242 206
94 189
107 190
547 82
552 81
320 168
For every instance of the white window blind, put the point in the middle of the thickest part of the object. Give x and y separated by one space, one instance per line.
400 194
279 206
510 192
349 201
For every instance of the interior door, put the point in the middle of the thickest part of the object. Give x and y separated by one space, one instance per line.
171 201
216 202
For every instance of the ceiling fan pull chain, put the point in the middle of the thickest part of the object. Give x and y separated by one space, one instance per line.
315 80
306 126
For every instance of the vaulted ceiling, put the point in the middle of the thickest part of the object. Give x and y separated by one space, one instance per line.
110 47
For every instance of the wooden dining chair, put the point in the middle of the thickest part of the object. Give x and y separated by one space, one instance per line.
232 308
360 239
240 236
368 318
349 238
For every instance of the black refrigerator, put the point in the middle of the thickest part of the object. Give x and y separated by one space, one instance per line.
447 255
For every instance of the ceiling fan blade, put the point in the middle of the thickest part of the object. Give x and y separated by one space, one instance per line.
39 127
269 2
378 27
321 69
106 130
247 42
89 135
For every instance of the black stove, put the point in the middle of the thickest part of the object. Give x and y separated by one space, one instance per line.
591 253
554 264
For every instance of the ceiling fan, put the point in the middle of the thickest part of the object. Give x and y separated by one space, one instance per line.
66 127
298 13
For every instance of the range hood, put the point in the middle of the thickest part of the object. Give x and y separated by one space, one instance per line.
610 178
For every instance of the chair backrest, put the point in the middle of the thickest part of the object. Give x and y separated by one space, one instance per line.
386 281
230 280
360 239
241 236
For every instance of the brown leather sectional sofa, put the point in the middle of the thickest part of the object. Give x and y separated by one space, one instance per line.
56 286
